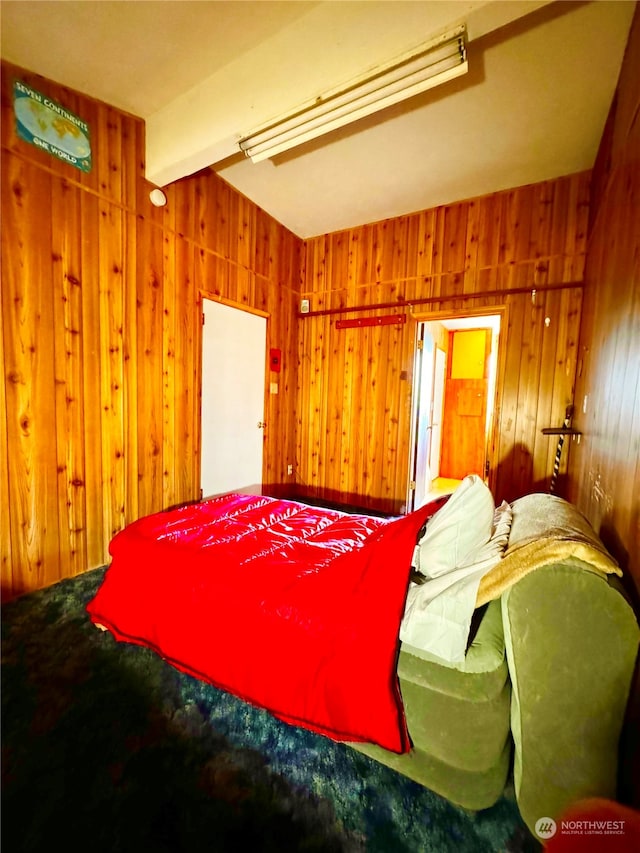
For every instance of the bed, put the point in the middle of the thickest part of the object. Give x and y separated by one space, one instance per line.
422 641
291 607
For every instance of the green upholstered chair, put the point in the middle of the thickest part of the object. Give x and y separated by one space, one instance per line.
572 641
458 720
546 681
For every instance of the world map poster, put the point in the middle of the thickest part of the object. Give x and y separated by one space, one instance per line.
50 127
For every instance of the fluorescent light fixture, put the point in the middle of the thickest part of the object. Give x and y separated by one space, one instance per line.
429 65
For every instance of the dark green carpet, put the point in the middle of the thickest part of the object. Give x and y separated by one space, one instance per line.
107 748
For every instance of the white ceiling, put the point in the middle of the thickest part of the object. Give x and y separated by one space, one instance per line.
532 106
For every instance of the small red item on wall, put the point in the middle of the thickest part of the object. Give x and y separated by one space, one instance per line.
358 322
275 360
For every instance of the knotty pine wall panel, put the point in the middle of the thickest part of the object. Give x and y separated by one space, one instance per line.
68 368
101 337
355 384
605 469
604 472
28 319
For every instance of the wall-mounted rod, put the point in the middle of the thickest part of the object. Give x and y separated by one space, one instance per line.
428 300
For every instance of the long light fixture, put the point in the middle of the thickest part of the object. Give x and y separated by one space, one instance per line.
434 62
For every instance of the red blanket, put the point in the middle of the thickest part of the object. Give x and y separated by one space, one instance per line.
293 608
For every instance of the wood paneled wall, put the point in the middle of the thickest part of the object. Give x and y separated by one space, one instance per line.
604 473
354 399
100 337
605 470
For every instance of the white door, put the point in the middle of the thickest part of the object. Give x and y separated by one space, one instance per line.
422 398
436 412
233 377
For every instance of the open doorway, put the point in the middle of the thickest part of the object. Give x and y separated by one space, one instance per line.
453 405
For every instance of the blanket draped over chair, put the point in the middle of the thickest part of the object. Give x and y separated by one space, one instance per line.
569 538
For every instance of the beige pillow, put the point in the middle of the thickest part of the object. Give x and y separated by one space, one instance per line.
457 530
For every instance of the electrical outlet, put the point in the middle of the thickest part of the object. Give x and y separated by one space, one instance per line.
289 469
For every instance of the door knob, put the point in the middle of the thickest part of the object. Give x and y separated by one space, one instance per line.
262 424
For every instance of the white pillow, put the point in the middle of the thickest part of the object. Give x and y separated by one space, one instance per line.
438 613
438 629
458 529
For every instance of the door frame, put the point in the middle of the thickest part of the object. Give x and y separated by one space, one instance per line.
492 442
241 306
420 445
433 442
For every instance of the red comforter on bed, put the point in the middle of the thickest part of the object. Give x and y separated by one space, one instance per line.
293 608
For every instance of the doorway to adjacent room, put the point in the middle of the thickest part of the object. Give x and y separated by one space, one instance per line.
453 402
